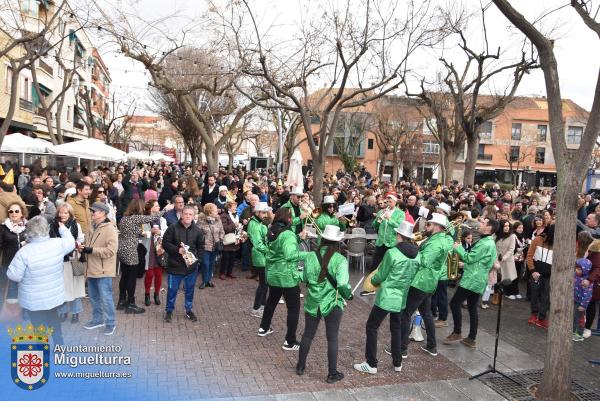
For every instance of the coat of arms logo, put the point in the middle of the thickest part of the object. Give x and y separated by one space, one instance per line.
30 356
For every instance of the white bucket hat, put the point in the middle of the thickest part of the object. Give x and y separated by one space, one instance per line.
444 207
297 191
222 188
438 218
332 233
405 229
328 200
262 207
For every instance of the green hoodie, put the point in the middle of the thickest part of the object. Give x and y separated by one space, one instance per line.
478 263
282 257
257 233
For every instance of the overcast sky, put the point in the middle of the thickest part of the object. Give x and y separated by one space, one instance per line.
577 49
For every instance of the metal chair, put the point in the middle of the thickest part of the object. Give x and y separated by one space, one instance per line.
358 231
356 249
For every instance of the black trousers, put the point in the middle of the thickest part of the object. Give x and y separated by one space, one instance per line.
513 287
540 297
375 319
378 256
48 318
292 302
332 328
472 298
260 297
590 315
417 299
227 260
127 282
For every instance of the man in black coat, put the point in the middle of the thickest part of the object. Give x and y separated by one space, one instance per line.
167 193
210 191
184 234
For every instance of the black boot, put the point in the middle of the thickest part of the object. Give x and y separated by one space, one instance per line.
156 299
133 308
147 299
75 318
121 304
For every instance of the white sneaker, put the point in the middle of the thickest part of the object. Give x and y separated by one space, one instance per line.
290 347
365 368
257 312
519 296
281 301
398 368
587 333
262 333
511 297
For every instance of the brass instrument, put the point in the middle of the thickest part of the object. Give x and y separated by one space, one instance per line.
453 260
312 214
385 215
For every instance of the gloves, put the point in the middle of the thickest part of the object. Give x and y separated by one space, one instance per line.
87 249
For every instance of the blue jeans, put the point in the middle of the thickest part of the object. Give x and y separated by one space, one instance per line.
101 297
439 300
208 265
74 306
174 281
246 249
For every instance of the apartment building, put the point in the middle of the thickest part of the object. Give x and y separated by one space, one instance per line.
154 134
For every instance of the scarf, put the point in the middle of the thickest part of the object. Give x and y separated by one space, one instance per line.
15 228
234 217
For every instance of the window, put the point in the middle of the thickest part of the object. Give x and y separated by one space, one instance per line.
516 132
25 89
574 135
481 153
540 155
485 131
9 75
542 133
431 148
515 153
30 7
370 143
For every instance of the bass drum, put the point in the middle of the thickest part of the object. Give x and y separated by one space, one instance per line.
303 246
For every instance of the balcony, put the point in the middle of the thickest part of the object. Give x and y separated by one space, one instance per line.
45 67
484 157
25 104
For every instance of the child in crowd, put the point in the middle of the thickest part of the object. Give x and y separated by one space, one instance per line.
582 294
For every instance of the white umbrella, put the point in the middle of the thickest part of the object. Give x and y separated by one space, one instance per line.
159 156
93 149
295 177
137 155
20 143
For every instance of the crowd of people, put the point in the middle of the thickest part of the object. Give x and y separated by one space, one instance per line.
66 236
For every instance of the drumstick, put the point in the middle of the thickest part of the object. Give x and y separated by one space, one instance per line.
357 284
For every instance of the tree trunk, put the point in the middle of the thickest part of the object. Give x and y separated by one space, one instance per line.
317 172
449 160
471 159
442 165
212 160
230 161
14 88
395 168
556 381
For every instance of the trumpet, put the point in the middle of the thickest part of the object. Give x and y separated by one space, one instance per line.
385 215
312 214
453 261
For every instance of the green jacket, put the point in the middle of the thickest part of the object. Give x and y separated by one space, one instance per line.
296 221
395 273
321 295
282 261
257 233
478 263
327 220
433 252
385 230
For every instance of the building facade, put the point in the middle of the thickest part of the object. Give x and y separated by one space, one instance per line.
154 134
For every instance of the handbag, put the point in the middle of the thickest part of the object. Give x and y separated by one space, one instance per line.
78 264
496 299
229 239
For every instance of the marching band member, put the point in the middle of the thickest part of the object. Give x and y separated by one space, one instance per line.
386 221
257 233
327 280
478 262
395 274
328 216
298 215
283 276
433 253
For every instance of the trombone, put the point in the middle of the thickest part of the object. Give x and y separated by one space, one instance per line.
311 216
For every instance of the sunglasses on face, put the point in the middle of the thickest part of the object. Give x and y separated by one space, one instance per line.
14 211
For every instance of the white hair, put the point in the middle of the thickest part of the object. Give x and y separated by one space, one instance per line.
37 227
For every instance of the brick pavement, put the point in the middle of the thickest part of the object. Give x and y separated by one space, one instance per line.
221 355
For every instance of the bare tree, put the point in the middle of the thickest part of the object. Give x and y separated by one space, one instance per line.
114 126
350 137
571 165
348 49
515 156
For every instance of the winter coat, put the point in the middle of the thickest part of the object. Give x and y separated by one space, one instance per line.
38 268
505 249
209 197
191 236
9 244
539 257
212 230
582 295
257 233
229 227
49 210
74 285
433 255
386 235
104 241
282 257
8 198
395 275
128 189
322 296
594 277
81 212
478 263
130 234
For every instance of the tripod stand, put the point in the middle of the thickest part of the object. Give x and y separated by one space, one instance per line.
492 367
